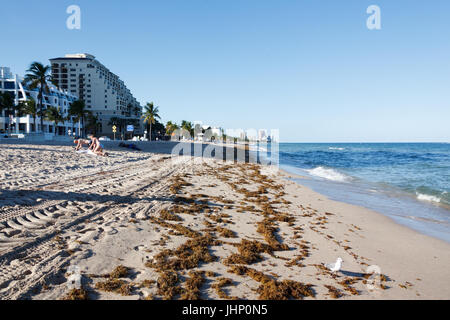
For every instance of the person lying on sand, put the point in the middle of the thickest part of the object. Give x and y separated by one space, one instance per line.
129 146
96 146
80 143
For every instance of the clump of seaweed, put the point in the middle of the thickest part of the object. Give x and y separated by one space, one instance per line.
334 292
226 233
210 274
219 284
166 215
347 284
284 290
76 294
256 275
119 272
114 285
249 252
178 183
192 285
296 261
176 227
267 229
187 256
271 289
167 284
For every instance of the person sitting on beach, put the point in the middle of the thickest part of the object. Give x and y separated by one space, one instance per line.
96 146
80 143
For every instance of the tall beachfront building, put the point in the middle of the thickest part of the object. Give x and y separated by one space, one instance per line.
11 122
102 91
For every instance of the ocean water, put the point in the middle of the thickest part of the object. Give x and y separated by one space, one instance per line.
410 182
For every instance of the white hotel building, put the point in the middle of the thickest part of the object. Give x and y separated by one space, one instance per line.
104 94
25 125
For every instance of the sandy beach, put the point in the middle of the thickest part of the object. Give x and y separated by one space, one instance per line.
145 225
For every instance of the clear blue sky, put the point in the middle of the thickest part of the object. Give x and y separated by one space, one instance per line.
309 68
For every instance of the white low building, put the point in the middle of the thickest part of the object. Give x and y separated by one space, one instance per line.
25 125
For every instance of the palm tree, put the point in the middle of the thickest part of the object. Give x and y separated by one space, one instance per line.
29 107
150 115
93 123
171 127
78 111
39 77
7 103
54 114
186 125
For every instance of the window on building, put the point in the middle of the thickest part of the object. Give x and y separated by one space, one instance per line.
9 85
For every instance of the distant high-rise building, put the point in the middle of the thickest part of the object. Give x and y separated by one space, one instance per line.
104 94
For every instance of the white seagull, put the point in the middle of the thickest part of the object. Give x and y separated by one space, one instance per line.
335 267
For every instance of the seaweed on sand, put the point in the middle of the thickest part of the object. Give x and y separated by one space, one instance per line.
176 227
187 256
76 294
114 285
334 292
284 290
347 283
267 229
249 252
219 284
166 215
178 183
119 272
226 233
167 284
192 285
271 289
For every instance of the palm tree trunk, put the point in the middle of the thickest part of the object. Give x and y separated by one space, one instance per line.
35 124
79 127
41 97
150 132
9 121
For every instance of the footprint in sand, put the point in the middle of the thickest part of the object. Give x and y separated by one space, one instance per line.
110 231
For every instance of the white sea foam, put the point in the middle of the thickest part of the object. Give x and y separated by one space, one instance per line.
328 174
336 148
427 197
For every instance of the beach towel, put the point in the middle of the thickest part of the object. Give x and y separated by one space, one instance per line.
87 152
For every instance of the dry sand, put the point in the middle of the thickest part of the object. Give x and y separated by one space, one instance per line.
209 230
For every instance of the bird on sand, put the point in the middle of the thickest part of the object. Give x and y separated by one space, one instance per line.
335 267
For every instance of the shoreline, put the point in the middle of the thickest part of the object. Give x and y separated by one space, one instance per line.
291 176
244 222
425 225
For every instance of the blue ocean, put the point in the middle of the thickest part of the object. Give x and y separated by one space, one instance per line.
409 182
